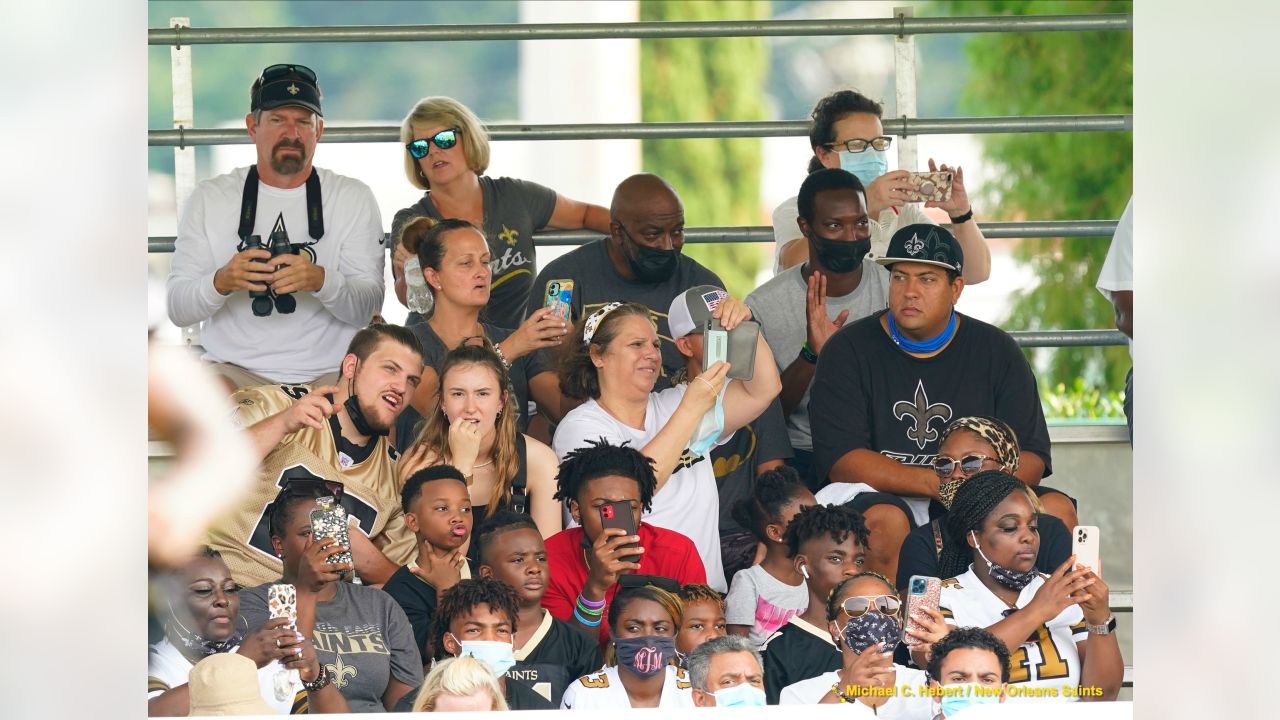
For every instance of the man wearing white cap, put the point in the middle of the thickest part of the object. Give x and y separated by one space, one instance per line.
283 315
756 447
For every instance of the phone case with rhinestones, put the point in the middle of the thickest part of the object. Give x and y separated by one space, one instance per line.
330 521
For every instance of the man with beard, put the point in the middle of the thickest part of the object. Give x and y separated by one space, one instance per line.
640 262
284 319
804 305
333 437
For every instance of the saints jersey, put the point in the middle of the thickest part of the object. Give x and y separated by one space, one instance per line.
370 494
556 655
604 691
797 651
1048 659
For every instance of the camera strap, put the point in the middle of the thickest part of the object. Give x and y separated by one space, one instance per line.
249 206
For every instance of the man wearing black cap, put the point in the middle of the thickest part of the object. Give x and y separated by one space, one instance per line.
886 386
288 320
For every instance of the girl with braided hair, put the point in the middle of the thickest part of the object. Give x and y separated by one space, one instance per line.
970 445
1058 627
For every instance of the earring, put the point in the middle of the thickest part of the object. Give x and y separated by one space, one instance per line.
499 414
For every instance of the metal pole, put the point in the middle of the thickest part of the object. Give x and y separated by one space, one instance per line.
680 130
1042 228
184 154
592 31
904 83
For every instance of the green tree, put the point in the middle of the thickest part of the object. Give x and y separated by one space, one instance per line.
1056 176
703 79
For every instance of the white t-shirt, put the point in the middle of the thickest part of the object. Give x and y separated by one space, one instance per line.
604 691
907 703
311 341
688 503
1050 660
167 669
882 228
763 602
1117 269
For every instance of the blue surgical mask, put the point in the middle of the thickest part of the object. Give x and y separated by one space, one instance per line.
965 695
709 429
498 655
743 695
866 165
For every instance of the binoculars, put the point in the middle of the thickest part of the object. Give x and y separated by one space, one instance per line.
278 244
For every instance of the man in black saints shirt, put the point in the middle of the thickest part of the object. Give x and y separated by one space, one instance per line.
888 384
640 262
549 652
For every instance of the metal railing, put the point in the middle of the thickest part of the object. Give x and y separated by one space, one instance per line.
641 30
901 127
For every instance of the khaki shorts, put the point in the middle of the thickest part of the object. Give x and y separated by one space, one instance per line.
237 377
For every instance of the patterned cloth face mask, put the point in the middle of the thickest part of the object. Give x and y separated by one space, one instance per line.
870 628
1011 579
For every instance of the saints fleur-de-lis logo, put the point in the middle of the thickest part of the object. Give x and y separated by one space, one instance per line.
509 236
914 245
922 414
341 672
293 89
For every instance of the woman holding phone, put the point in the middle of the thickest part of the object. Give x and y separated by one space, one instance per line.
363 642
1058 627
473 428
447 154
969 446
613 361
643 622
455 267
846 133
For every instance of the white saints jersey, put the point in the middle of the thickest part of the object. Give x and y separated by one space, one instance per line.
1048 661
604 691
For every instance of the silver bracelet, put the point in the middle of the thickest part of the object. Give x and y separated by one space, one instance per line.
497 349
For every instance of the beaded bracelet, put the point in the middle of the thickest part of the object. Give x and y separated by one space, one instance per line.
497 350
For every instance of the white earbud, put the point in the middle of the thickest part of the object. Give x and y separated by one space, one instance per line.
804 570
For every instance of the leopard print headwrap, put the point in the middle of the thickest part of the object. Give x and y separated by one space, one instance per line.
994 432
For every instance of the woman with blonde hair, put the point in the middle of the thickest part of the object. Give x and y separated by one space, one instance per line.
460 684
447 154
473 428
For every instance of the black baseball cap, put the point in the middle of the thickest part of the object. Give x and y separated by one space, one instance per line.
286 84
924 243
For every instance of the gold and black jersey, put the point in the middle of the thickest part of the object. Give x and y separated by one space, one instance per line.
370 495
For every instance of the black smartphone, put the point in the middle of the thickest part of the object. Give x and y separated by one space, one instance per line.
618 515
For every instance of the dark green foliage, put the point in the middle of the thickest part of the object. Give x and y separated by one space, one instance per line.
702 79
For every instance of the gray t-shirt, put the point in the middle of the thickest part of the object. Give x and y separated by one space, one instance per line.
513 209
763 602
363 637
779 306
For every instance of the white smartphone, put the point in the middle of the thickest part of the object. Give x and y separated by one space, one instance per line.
1085 545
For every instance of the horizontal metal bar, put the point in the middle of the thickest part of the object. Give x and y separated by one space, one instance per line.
900 127
764 233
1091 434
632 30
1068 338
1122 601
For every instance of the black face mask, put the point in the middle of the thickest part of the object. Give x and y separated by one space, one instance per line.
651 265
354 412
840 256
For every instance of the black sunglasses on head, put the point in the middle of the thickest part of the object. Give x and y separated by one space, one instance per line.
275 72
444 140
304 487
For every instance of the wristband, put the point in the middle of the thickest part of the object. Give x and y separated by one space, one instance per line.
808 355
323 679
960 219
592 604
586 611
584 621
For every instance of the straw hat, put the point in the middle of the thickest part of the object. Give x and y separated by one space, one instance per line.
226 684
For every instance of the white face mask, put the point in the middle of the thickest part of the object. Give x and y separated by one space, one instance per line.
742 695
498 655
709 429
